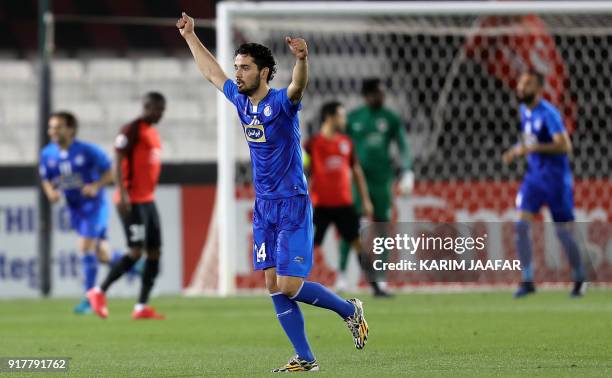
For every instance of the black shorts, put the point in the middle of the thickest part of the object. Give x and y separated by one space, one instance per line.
142 226
345 218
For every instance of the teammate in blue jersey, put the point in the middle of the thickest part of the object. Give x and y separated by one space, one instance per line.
80 170
282 218
548 180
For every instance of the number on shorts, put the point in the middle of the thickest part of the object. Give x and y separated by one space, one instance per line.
137 232
261 252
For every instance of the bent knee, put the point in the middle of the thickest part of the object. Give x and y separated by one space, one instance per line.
287 291
273 289
271 285
289 288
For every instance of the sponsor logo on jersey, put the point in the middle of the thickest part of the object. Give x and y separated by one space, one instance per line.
334 162
375 139
254 132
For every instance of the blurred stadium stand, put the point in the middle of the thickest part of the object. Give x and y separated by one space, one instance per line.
100 72
105 93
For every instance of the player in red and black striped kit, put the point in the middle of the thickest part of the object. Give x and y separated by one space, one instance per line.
333 167
137 169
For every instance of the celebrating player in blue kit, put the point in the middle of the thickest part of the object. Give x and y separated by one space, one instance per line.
80 170
548 180
282 218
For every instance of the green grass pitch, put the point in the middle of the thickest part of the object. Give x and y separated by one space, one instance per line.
458 334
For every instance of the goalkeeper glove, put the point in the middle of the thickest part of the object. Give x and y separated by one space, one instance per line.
406 184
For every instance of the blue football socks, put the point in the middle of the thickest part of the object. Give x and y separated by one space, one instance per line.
315 294
523 249
89 264
291 319
572 251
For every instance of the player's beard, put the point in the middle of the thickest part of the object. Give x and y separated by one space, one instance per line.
60 139
250 89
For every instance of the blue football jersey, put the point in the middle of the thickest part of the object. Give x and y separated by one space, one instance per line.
272 130
538 125
68 170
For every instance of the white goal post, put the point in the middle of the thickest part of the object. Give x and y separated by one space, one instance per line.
229 12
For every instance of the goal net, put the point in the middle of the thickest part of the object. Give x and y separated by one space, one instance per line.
449 71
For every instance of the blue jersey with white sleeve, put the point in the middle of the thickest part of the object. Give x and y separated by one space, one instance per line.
272 132
538 125
68 170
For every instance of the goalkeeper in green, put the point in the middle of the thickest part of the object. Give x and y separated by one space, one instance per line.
373 128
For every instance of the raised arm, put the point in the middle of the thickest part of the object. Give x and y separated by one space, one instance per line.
299 78
206 62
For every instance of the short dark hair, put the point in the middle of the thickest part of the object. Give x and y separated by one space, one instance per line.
539 76
329 109
262 56
370 85
153 97
69 118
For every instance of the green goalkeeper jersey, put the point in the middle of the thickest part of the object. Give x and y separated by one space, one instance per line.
372 132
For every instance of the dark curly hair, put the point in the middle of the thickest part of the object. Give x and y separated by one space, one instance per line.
262 56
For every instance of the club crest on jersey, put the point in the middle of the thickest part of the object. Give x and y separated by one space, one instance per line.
537 125
267 110
254 131
381 125
79 160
